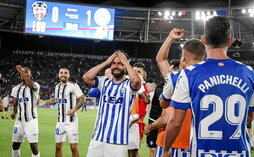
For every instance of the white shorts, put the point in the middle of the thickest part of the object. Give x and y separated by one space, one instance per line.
67 129
101 149
134 139
28 130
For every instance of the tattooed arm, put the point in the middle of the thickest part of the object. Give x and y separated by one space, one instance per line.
80 103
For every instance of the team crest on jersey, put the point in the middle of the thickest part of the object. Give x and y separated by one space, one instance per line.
39 10
123 90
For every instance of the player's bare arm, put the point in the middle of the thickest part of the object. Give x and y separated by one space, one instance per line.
89 76
163 103
15 105
27 80
145 97
80 103
163 53
48 102
134 77
162 121
173 129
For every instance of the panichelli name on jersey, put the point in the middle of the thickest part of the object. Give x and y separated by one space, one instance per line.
224 79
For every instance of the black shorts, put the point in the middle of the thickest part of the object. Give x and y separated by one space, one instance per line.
5 109
151 138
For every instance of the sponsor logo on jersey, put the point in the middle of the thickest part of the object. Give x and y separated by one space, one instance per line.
62 101
220 154
112 99
26 99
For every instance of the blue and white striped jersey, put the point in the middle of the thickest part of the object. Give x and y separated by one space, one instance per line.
27 101
170 85
220 94
112 122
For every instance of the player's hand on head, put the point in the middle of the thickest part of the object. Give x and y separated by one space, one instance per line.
19 68
176 33
71 112
122 57
111 58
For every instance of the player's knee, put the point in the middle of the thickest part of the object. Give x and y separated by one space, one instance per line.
58 146
15 146
34 148
74 147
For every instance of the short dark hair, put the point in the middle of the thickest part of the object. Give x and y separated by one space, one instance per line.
217 31
64 68
140 65
126 54
195 47
175 63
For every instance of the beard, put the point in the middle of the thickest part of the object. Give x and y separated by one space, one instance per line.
117 75
64 80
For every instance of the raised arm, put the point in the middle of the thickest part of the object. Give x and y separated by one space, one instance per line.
163 53
134 77
26 75
89 76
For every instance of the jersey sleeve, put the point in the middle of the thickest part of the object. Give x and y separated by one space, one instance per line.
167 89
181 97
56 92
38 89
99 82
251 105
141 89
14 92
77 90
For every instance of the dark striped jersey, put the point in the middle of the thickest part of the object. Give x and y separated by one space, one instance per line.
67 95
27 101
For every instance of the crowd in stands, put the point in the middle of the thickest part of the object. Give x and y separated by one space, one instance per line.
45 70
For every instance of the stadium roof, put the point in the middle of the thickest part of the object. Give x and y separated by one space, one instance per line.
139 22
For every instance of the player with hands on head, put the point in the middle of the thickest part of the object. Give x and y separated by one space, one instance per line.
110 135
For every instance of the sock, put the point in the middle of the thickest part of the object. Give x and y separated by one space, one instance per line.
38 155
16 153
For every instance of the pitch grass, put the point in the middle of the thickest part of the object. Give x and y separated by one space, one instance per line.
47 122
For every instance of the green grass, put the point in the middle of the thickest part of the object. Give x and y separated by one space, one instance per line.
47 122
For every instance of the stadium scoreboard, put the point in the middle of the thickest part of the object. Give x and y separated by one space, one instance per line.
70 20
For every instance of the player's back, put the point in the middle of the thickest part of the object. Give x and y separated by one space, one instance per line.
220 92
